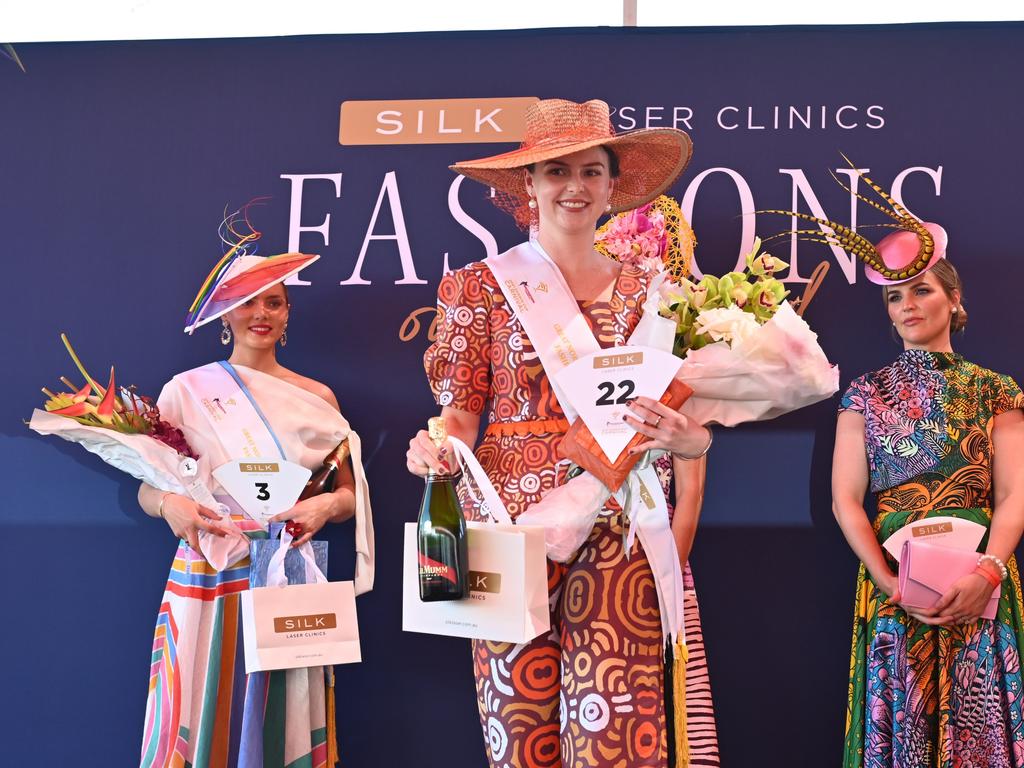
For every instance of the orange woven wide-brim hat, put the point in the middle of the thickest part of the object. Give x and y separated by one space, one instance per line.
650 159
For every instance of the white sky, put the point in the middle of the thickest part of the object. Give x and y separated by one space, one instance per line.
46 20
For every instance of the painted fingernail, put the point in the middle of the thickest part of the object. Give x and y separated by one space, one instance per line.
625 418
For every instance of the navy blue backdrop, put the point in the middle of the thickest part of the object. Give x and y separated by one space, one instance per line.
117 160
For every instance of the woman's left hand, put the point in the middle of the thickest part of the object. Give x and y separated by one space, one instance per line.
309 515
966 599
666 429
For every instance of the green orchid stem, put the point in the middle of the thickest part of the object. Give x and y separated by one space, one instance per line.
81 368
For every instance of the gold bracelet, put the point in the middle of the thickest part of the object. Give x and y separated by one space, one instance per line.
711 439
160 506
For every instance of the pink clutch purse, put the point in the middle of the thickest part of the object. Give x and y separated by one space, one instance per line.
928 570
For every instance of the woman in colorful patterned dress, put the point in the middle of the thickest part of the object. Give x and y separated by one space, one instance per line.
203 710
591 692
932 434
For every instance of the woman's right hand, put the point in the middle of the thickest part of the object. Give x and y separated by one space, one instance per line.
423 457
889 583
186 519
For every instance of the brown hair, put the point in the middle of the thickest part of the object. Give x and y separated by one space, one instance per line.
950 281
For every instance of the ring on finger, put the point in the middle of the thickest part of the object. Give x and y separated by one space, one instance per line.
655 424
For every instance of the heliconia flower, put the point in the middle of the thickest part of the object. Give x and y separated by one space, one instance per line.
105 410
120 410
83 408
78 363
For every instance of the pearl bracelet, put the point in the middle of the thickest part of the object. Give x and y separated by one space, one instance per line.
999 564
711 439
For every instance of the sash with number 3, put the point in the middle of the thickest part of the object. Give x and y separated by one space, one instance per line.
259 478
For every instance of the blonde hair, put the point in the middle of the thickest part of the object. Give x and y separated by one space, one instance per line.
950 281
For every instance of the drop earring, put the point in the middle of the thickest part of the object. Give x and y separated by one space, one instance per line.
283 341
225 334
608 207
532 204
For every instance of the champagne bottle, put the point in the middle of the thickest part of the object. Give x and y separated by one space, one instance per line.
326 477
441 533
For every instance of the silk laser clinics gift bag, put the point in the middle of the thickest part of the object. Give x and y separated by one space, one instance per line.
508 590
508 574
288 626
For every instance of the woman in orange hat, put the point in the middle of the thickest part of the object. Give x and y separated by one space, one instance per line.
593 691
936 438
202 708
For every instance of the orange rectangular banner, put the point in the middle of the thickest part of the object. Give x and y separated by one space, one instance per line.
433 121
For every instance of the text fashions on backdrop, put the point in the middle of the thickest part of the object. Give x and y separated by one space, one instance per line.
592 690
202 710
921 695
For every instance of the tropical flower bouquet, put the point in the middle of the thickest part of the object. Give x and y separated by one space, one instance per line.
120 426
746 354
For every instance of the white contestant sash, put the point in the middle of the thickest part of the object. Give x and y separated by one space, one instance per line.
231 412
244 431
543 303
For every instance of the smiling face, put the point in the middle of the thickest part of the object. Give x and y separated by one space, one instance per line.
921 311
259 322
571 191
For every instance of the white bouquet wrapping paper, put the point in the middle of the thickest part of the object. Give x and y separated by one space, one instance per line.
143 457
761 374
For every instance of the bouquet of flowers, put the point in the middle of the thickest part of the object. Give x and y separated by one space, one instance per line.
120 426
746 354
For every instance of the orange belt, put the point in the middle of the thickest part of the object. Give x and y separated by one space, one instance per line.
522 428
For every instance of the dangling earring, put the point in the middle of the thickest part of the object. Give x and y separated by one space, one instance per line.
608 207
532 204
283 341
225 334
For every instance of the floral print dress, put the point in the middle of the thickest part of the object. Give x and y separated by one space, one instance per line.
923 696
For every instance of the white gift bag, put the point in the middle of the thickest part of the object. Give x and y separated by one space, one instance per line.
299 625
508 587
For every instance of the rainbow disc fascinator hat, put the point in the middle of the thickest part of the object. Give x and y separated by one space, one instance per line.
650 159
899 256
240 274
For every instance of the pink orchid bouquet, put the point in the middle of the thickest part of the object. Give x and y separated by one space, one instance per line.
637 237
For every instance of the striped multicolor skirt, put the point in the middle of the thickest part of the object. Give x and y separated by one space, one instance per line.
203 711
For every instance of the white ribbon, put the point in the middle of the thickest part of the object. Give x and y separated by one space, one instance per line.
365 554
276 576
491 502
